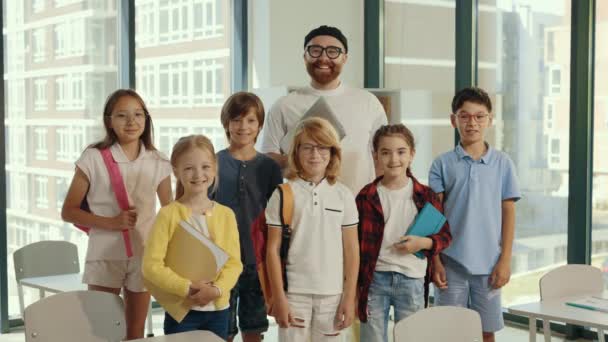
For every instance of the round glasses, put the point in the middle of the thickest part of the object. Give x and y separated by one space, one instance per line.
479 118
315 51
309 149
128 117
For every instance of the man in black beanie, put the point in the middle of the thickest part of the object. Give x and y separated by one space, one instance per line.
359 111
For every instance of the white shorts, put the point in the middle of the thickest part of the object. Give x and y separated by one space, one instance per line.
318 313
115 274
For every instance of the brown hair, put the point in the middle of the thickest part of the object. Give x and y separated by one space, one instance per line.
322 132
394 130
239 104
185 144
147 137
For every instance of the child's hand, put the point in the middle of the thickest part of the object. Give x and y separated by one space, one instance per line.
125 220
205 294
282 314
439 277
345 314
501 274
411 244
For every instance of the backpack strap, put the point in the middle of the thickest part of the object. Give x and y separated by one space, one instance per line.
286 205
286 202
120 192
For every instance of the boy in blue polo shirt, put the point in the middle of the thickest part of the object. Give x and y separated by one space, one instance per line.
479 189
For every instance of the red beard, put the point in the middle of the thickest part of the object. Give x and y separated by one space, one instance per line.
323 76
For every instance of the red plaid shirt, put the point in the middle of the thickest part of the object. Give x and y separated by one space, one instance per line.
371 231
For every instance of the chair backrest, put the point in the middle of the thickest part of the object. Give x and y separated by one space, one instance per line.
571 280
76 316
46 258
440 323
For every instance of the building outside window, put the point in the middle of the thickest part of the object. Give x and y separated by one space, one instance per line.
41 148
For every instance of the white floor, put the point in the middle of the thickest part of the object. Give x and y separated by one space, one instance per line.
509 334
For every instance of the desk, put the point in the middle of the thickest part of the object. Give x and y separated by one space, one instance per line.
190 336
66 283
56 284
557 310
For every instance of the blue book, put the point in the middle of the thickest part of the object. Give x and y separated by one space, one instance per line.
428 222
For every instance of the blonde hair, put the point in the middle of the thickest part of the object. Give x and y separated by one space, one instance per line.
323 133
185 144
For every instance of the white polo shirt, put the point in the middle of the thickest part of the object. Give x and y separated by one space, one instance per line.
142 177
315 259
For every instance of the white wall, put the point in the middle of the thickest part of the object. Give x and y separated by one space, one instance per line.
276 37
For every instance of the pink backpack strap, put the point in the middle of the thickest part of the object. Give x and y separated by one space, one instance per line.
119 191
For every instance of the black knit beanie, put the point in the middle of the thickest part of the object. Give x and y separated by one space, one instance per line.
325 30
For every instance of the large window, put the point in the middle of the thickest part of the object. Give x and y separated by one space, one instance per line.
599 234
165 22
524 63
423 72
183 66
55 90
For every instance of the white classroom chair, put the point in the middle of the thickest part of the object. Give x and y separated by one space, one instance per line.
440 324
570 281
90 316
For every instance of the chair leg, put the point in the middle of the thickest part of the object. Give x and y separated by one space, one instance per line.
150 324
547 330
21 301
532 329
600 335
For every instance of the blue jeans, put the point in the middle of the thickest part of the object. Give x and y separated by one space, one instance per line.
405 294
214 321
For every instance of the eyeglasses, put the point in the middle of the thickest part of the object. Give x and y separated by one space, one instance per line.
315 51
128 117
309 149
479 118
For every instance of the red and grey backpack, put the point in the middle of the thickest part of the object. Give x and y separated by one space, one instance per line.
259 236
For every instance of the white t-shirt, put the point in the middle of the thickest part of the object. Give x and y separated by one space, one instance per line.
399 214
315 259
141 177
358 110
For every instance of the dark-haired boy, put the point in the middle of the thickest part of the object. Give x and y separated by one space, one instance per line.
479 189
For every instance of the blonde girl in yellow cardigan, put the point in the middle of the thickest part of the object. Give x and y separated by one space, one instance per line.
195 167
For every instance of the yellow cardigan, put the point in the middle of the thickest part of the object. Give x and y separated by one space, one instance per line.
223 230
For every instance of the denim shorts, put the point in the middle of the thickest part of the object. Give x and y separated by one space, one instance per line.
247 301
473 292
404 294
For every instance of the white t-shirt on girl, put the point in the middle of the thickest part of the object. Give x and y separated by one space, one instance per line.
141 177
399 214
315 259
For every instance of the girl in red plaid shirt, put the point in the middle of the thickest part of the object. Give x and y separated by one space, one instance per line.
390 273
